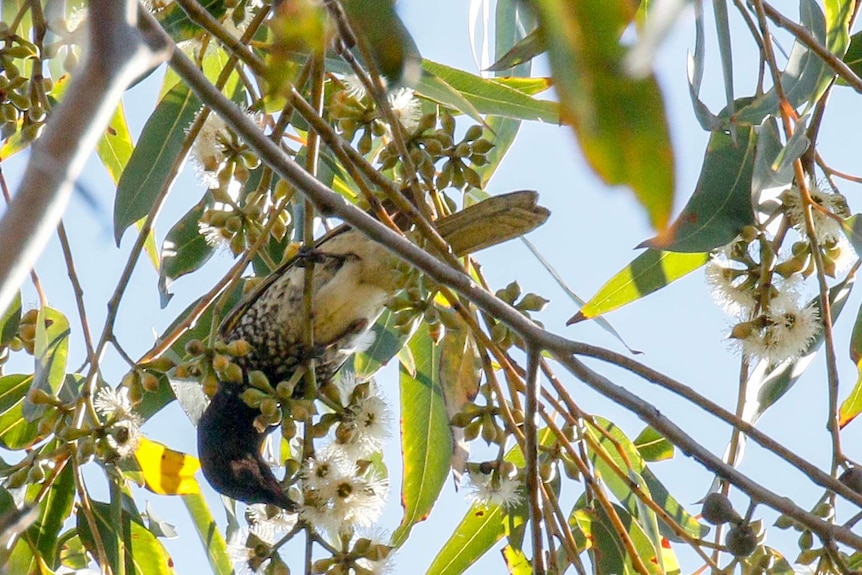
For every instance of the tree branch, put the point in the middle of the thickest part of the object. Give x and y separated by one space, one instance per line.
118 54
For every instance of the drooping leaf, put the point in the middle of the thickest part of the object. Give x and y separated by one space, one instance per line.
51 347
806 75
9 321
853 230
619 120
115 148
184 250
516 562
460 371
653 446
54 507
150 165
388 341
853 56
177 23
607 551
141 552
116 145
524 51
426 443
649 272
484 95
852 405
210 534
15 431
631 461
167 472
510 22
600 321
695 67
158 526
773 161
477 532
721 204
390 44
722 28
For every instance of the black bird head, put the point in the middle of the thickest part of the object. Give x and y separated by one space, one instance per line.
229 449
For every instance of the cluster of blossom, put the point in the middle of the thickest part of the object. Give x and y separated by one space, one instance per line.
122 422
342 493
764 290
495 485
403 102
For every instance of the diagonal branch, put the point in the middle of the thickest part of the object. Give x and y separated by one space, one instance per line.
118 54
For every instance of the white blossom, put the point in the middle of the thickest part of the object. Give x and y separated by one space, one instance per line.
337 496
406 107
731 288
494 489
208 150
788 331
827 229
366 420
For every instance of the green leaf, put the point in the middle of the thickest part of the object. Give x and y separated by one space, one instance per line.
721 204
483 95
852 406
653 446
460 365
722 27
649 272
209 533
477 532
388 341
630 461
390 44
184 250
142 553
177 23
460 373
853 57
15 431
696 64
619 120
9 321
54 508
116 145
425 439
115 148
853 230
524 51
773 161
150 165
806 75
607 551
516 562
50 351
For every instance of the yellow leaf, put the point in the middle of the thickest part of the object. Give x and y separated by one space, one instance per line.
166 471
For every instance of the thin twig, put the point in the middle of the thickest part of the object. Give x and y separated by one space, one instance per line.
531 455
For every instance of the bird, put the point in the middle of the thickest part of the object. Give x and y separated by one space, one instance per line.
353 279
